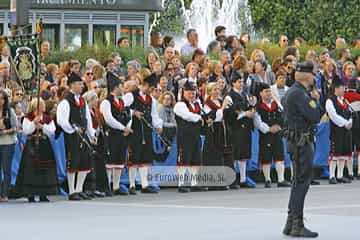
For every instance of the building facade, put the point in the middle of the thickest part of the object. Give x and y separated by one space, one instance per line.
71 24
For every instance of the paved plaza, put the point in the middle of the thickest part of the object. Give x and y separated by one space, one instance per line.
334 211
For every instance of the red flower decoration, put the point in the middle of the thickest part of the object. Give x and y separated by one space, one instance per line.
266 107
343 105
81 103
196 109
212 105
119 105
146 101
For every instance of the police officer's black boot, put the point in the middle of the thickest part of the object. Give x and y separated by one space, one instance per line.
299 230
288 225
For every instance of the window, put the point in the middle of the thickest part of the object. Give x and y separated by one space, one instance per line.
134 33
76 36
51 33
104 35
1 29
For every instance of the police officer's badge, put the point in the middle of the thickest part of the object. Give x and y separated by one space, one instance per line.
312 104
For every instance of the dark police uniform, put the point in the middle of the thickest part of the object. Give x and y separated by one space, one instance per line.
301 113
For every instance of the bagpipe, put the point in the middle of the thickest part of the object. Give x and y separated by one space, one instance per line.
84 140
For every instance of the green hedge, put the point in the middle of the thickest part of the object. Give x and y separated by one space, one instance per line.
99 53
102 53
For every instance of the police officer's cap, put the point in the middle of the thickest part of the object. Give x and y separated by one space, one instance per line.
112 80
305 67
151 80
73 77
189 86
236 76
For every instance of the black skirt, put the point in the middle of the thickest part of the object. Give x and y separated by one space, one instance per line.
141 151
117 146
97 179
78 154
341 142
271 148
213 153
37 172
241 143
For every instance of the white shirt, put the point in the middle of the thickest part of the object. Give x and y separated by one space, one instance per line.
276 96
182 111
63 118
187 49
105 109
259 124
156 120
334 117
29 127
229 99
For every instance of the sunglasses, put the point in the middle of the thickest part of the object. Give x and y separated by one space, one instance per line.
19 94
285 40
89 74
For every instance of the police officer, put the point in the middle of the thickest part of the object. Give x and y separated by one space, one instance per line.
302 113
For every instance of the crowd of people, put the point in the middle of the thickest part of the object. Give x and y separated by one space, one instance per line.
108 111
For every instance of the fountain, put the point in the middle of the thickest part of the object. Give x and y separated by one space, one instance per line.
205 15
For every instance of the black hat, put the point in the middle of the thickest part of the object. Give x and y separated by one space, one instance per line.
305 67
262 86
73 77
337 82
236 76
151 80
189 86
112 81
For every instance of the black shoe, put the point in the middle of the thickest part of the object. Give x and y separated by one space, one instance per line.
199 189
108 193
84 196
99 194
344 180
149 189
120 192
283 184
246 185
31 199
332 181
351 177
74 197
183 190
44 199
313 182
288 225
234 186
90 194
132 191
299 230
267 184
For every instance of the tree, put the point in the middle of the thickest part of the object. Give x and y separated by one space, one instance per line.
317 21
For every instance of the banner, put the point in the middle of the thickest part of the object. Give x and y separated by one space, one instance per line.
25 55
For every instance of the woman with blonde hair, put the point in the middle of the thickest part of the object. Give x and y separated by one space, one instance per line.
216 70
99 75
37 172
216 136
166 105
